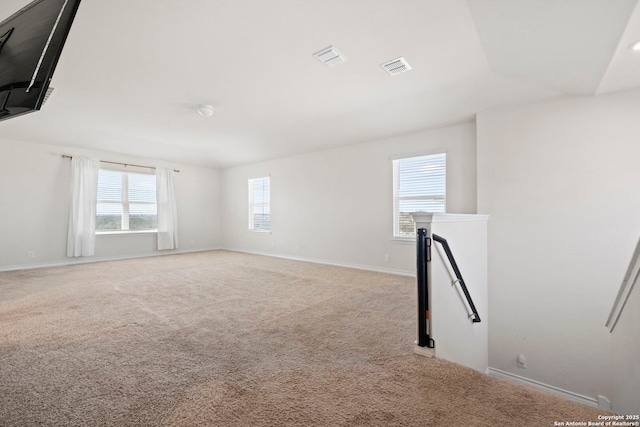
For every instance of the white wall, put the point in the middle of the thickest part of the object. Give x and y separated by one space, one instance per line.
456 337
336 205
34 207
559 180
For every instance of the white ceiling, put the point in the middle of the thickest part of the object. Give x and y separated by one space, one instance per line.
132 72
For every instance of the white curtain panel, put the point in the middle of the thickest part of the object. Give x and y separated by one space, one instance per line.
81 239
167 212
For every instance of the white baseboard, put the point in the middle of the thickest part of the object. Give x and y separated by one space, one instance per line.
424 351
87 260
548 388
327 262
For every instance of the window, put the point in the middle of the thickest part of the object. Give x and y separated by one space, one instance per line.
419 185
259 204
126 201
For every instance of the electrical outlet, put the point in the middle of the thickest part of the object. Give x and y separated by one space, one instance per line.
31 254
386 258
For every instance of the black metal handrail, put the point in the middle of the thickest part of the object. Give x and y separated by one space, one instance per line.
456 270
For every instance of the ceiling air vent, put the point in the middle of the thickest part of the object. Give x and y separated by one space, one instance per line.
47 95
330 56
396 66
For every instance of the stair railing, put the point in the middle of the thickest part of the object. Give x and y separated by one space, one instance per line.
631 277
474 316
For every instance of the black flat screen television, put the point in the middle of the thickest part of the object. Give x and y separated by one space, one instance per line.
31 41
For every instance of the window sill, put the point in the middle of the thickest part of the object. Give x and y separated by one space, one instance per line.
260 231
119 232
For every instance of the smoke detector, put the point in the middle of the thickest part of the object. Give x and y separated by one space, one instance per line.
330 56
396 66
205 110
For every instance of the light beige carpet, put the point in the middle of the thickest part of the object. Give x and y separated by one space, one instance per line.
228 339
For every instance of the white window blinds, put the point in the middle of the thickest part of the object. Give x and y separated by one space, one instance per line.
126 201
419 185
260 204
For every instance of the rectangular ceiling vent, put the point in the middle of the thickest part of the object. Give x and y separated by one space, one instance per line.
330 56
396 66
47 95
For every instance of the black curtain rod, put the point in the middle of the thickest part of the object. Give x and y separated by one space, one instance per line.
123 164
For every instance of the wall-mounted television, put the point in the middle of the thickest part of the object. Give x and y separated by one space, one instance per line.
31 41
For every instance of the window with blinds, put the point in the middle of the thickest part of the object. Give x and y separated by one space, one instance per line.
419 185
260 204
126 201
